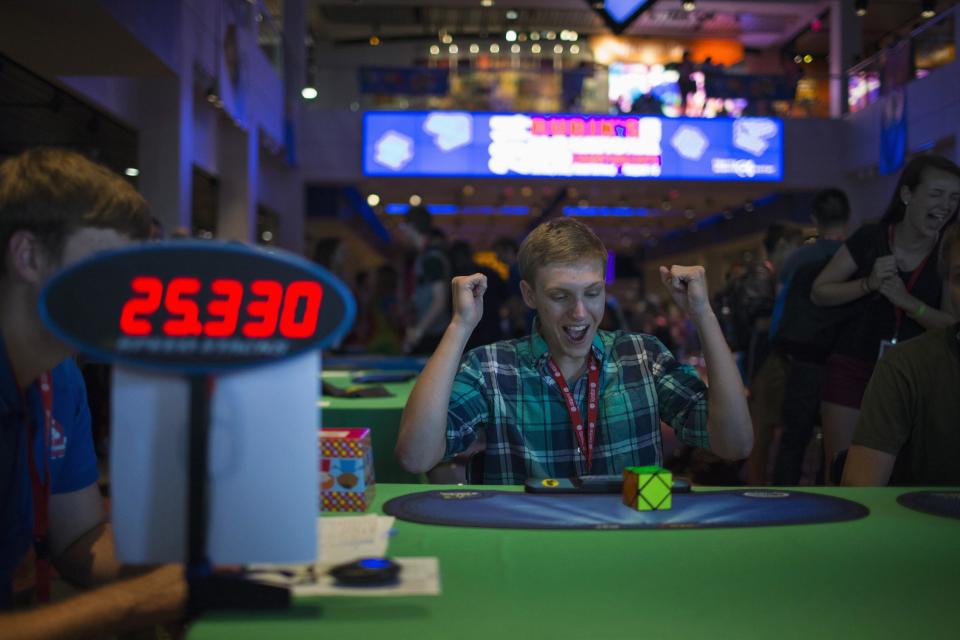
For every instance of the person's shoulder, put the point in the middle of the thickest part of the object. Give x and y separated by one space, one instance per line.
814 251
627 343
924 351
66 377
434 253
866 232
500 352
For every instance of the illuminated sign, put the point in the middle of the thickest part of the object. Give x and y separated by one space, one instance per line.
570 146
623 10
196 306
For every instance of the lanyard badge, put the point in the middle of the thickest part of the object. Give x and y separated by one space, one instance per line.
585 434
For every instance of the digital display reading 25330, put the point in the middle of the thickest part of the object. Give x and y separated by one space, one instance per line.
196 306
259 309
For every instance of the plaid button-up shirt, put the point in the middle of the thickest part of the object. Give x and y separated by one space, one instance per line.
505 391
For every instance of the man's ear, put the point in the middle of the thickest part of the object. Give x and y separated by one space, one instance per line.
527 292
26 257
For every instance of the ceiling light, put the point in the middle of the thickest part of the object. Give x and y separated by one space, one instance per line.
446 38
558 48
929 9
551 35
454 49
415 200
575 49
486 3
474 48
133 172
511 36
808 58
534 35
374 41
535 48
512 15
267 236
373 199
514 48
861 7
309 93
434 50
494 48
689 6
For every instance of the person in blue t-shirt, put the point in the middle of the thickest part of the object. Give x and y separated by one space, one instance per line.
56 208
803 337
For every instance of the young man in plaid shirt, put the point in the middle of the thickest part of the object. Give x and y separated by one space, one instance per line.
570 400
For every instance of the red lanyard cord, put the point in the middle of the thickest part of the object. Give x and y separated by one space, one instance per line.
911 283
586 440
40 488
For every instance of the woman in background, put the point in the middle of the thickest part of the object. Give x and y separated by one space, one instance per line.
890 269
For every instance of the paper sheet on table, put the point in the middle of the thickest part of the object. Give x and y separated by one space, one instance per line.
343 539
418 577
346 538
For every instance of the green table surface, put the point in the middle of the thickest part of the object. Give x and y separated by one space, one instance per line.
381 415
893 574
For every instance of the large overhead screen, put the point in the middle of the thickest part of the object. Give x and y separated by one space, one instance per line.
453 143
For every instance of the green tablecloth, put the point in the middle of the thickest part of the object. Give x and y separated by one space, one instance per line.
381 415
892 574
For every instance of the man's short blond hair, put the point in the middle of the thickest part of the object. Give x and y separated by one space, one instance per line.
559 241
948 248
53 192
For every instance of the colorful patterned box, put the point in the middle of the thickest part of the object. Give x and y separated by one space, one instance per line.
346 470
647 488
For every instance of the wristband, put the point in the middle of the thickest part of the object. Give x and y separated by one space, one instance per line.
920 311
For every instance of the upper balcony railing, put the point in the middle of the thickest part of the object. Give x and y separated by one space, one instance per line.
537 85
932 45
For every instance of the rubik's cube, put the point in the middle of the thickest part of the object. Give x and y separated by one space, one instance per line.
647 488
346 470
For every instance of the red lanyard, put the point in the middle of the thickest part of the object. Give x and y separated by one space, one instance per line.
911 282
41 492
584 441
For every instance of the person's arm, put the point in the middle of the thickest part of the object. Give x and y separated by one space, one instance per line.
833 286
926 316
154 598
422 440
81 541
866 467
729 427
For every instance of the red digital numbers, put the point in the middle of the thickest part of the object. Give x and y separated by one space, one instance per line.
311 293
227 308
269 308
185 313
132 320
266 307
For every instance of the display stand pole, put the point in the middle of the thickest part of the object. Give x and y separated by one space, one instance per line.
207 590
